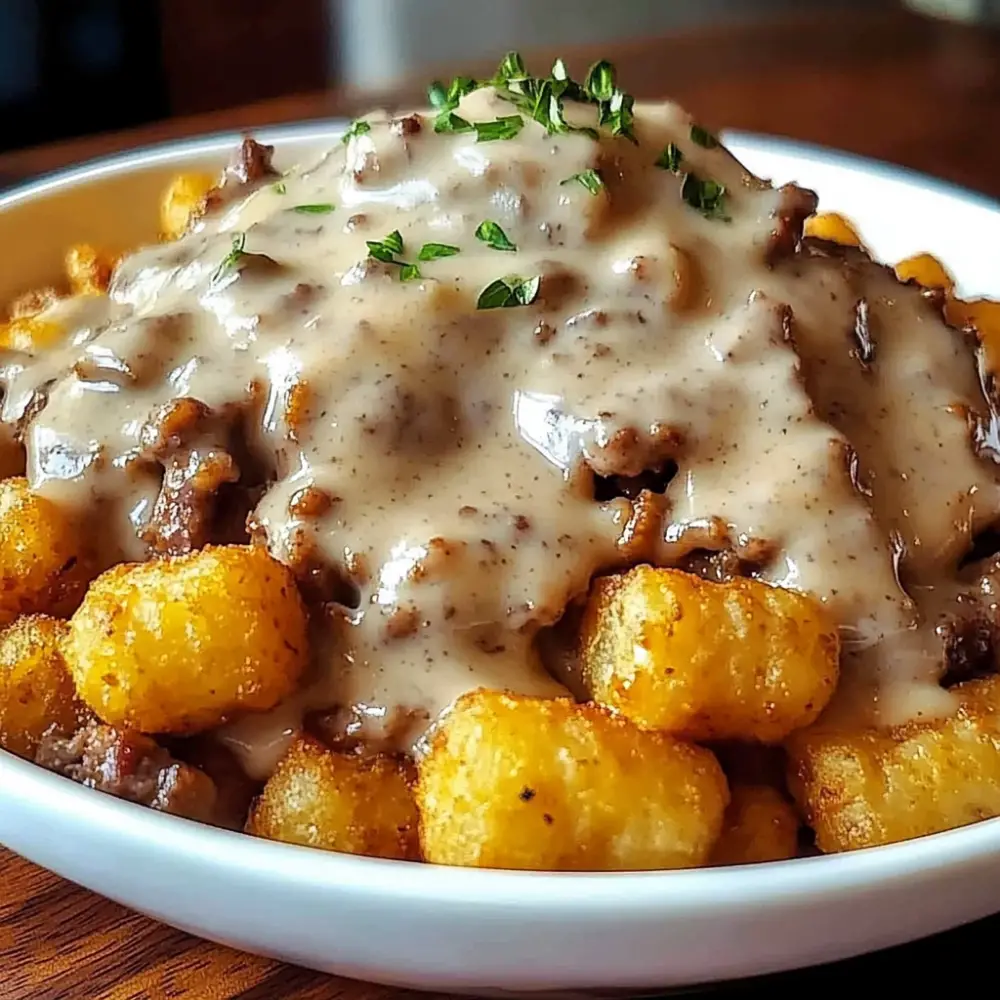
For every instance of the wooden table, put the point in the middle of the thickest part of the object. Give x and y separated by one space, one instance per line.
888 85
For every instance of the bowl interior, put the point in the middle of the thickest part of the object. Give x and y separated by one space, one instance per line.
114 203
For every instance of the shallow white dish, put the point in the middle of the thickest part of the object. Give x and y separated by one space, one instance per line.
483 931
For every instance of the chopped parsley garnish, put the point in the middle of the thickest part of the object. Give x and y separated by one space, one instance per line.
548 109
358 127
505 127
386 249
708 197
617 113
506 293
538 98
314 209
493 236
446 100
512 67
233 257
434 251
702 137
448 121
279 187
389 249
670 158
437 94
600 81
590 179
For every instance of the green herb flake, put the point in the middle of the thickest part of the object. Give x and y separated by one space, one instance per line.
279 188
512 67
386 249
435 251
394 241
358 127
390 247
320 209
381 252
708 197
493 236
702 137
590 179
447 100
233 257
437 95
509 292
617 113
505 127
670 158
448 121
600 81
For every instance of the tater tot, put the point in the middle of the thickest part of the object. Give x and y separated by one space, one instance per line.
833 227
43 564
926 270
984 316
180 645
32 303
182 202
708 661
30 334
88 270
36 690
550 785
862 789
339 802
760 825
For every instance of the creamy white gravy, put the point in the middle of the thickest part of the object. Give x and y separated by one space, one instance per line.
456 448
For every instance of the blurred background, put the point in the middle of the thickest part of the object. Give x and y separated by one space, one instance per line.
75 67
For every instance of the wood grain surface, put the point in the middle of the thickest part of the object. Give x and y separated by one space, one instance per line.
920 93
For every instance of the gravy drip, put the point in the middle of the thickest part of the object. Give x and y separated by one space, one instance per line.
439 460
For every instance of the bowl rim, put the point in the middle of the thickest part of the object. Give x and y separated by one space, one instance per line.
696 890
164 152
636 894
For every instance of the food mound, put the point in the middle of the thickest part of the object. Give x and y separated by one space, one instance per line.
516 486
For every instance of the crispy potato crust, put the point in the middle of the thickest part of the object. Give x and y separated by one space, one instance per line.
833 227
88 270
180 645
30 334
339 802
862 789
760 825
36 691
183 201
529 783
926 270
43 565
708 661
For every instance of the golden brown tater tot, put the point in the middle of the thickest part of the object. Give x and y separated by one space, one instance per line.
517 782
709 661
43 562
760 825
339 802
862 789
36 690
180 645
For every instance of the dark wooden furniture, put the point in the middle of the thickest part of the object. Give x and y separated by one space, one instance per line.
921 93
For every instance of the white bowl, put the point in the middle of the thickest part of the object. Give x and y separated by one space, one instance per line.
487 931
